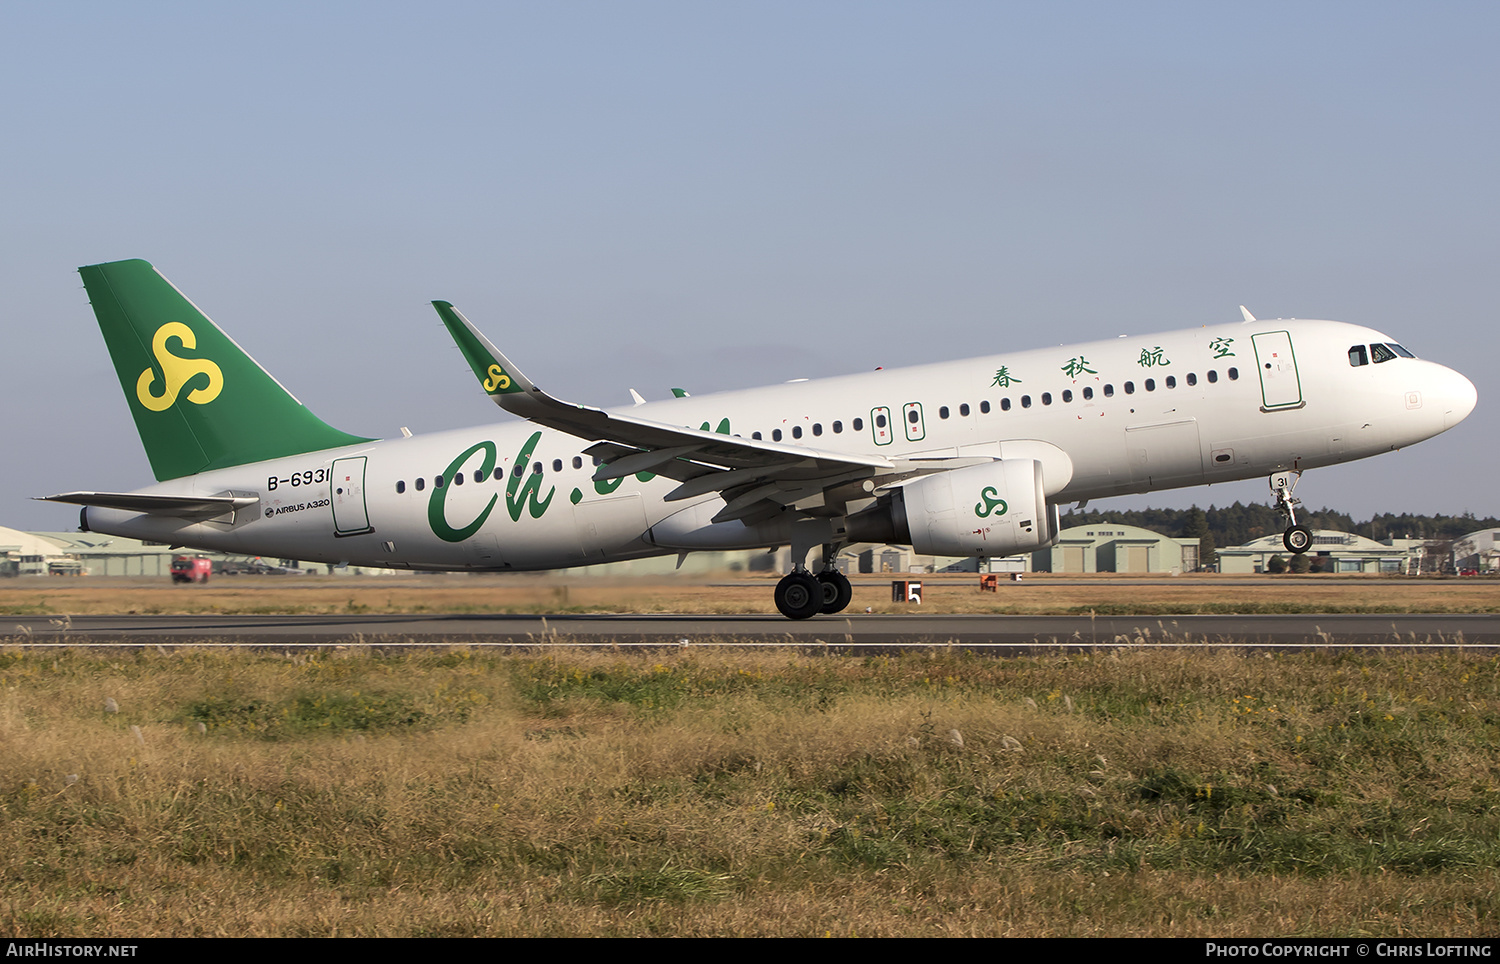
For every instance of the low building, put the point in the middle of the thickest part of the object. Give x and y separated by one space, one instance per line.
1478 550
1331 550
32 554
1115 547
104 555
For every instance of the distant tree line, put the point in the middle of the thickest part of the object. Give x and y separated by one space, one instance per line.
1238 524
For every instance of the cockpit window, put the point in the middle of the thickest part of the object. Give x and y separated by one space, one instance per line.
1399 350
1380 353
1357 356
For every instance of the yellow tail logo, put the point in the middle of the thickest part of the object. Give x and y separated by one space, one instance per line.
177 371
498 380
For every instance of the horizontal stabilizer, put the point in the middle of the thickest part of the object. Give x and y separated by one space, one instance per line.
181 506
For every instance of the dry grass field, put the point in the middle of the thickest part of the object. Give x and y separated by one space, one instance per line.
589 793
526 593
747 793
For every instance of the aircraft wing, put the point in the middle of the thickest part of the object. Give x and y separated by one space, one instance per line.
756 478
167 505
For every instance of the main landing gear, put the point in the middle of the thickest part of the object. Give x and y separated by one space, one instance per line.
801 595
836 590
1296 538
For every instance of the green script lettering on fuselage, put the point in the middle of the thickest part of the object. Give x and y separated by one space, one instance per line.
518 495
437 502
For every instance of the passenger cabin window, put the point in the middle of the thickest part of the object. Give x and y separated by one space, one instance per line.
400 487
1067 395
1213 376
943 412
859 424
1192 378
796 431
1130 388
1025 401
421 484
1379 353
458 478
838 428
1357 356
1046 398
817 428
984 407
1088 393
577 462
776 435
1109 391
1234 374
1171 381
1004 404
756 436
963 410
1150 384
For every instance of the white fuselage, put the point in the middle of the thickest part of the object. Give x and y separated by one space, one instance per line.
1121 416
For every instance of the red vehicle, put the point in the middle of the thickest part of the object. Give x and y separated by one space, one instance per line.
191 569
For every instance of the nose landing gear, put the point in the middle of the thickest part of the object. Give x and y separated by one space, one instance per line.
1297 538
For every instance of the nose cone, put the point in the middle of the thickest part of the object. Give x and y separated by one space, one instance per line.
1458 397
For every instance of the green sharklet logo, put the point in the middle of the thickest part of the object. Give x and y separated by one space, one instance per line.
991 503
492 375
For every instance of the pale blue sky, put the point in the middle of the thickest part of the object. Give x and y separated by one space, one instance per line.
718 195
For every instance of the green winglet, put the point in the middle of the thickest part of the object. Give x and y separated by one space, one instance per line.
495 373
198 400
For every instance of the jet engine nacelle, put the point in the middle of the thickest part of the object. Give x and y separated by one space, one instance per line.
996 509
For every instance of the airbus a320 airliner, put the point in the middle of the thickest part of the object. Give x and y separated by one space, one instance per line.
962 458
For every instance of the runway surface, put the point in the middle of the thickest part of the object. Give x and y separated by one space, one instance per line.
855 632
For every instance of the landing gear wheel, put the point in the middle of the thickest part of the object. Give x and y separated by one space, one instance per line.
836 590
1297 539
799 595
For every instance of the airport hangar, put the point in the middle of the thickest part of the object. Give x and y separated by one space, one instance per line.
1103 547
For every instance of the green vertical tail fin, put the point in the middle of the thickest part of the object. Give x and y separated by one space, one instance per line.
199 401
